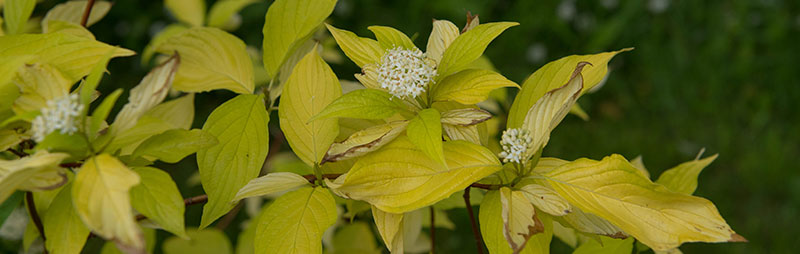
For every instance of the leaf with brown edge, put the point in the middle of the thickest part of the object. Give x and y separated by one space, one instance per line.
519 219
465 117
364 141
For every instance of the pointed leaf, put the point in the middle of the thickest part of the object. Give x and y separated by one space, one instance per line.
178 113
469 86
294 223
271 183
519 219
362 51
365 141
173 145
159 38
158 198
65 231
191 12
425 131
37 172
16 14
72 12
390 227
222 11
287 22
470 46
444 32
390 38
465 117
362 104
544 198
683 178
491 224
147 94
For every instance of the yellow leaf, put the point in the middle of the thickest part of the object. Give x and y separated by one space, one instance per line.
465 116
286 24
311 87
469 46
9 92
72 12
365 141
178 113
390 38
390 227
519 219
469 86
191 12
683 178
16 13
492 228
65 231
37 172
360 50
425 131
100 195
544 198
210 59
158 198
614 190
362 104
554 75
444 32
208 241
294 223
606 246
147 94
159 38
271 183
58 26
39 83
223 10
398 184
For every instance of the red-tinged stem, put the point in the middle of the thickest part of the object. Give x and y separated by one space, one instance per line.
35 216
475 231
87 12
433 230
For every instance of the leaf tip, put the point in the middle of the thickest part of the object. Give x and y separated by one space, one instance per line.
737 238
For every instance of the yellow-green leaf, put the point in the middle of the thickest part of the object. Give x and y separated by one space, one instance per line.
173 145
147 94
355 238
310 88
606 245
362 51
210 59
271 183
16 14
425 132
192 12
398 184
159 38
147 126
390 227
390 38
158 198
365 141
362 104
520 222
554 75
614 190
546 199
491 223
465 116
58 26
444 32
9 66
207 241
683 178
72 12
37 172
178 113
223 10
287 22
39 83
469 86
240 125
470 46
100 196
65 231
294 223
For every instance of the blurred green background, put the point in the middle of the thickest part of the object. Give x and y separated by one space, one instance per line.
720 75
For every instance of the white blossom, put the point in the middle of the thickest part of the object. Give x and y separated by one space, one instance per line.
60 114
405 72
515 143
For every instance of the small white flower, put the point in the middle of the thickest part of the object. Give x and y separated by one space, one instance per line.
516 143
60 114
405 72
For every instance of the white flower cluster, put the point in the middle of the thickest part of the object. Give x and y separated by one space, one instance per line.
515 143
405 72
60 114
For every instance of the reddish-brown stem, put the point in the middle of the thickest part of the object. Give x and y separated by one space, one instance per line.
70 165
18 153
87 12
35 216
433 230
475 231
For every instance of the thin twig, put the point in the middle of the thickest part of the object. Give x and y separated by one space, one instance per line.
475 231
70 165
18 153
433 231
35 216
86 12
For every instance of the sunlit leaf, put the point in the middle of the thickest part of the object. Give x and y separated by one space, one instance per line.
294 223
360 50
72 12
39 83
147 94
287 22
390 227
271 183
179 113
207 241
173 145
223 10
362 104
365 141
491 223
444 32
192 12
65 231
425 132
683 178
16 14
159 38
390 38
606 246
469 46
158 198
37 172
469 86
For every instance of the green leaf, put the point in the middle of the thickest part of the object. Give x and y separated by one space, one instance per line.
683 178
159 38
360 50
207 241
606 245
425 131
73 144
72 12
100 196
65 231
614 190
147 126
294 223
147 94
240 125
311 87
469 46
362 104
149 238
469 86
191 12
555 74
89 86
398 184
286 24
16 14
101 112
210 59
491 223
8 206
390 38
356 237
223 10
158 198
173 145
271 183
178 113
8 90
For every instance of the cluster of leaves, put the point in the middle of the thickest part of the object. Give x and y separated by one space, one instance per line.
384 157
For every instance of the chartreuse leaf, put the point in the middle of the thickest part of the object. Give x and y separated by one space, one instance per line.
365 141
544 198
469 46
360 50
72 12
147 94
355 238
58 26
390 227
294 223
444 32
390 38
425 131
101 112
158 198
179 113
362 104
65 231
100 196
39 83
74 56
590 223
210 59
8 206
240 125
465 116
554 75
8 90
398 184
149 238
173 145
662 219
223 10
311 87
127 141
271 183
192 12
286 24
683 178
88 87
37 172
469 86
492 226
606 245
520 222
16 14
207 241
160 38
